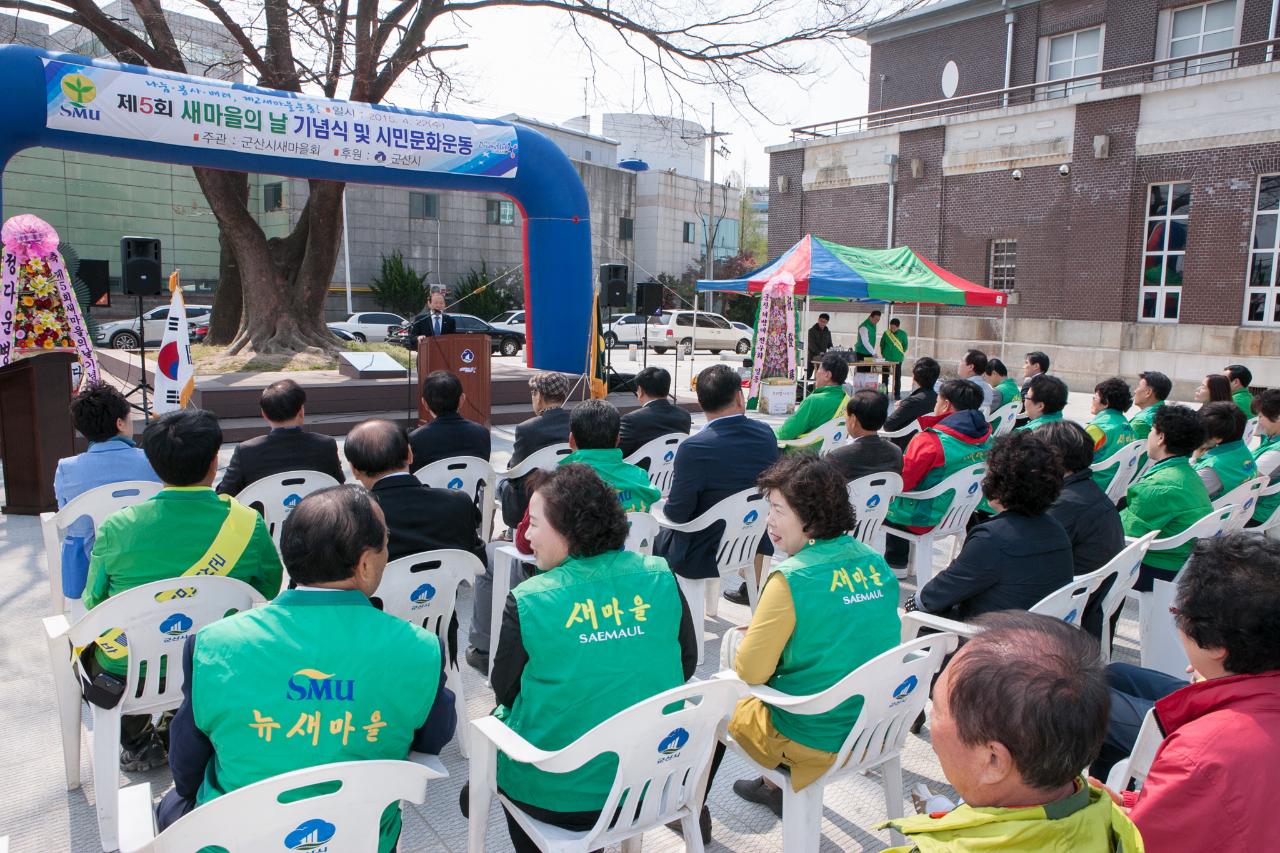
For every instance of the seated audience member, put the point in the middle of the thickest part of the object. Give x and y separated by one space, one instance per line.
1109 430
1224 461
1043 402
183 530
1169 497
1091 520
549 425
832 592
722 459
919 403
450 434
1017 712
1214 389
244 674
1004 389
1267 455
102 416
577 527
823 404
866 452
957 437
1212 784
1018 557
1240 378
973 366
1035 364
1153 389
657 415
287 447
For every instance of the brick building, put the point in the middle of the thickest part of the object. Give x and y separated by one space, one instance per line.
1113 163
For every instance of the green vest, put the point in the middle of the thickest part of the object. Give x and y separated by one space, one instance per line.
1244 399
1269 504
893 347
312 678
1168 498
1116 433
956 455
870 326
845 599
1009 392
631 482
1141 422
602 634
1232 462
821 406
1036 423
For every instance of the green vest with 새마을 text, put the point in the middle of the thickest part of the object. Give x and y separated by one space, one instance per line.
314 677
1110 431
1232 461
957 455
1269 504
602 634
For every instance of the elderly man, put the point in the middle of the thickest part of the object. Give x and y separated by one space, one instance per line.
549 425
287 447
431 323
973 367
1016 714
866 452
317 676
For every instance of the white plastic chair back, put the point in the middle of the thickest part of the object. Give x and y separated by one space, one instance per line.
545 459
1208 527
1160 647
1250 429
1068 602
97 504
664 747
1003 419
910 428
832 434
1126 566
277 495
1138 764
966 488
268 815
870 497
1244 498
642 529
1270 524
1125 462
470 475
661 455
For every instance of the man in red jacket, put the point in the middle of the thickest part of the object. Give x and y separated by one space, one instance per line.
1214 781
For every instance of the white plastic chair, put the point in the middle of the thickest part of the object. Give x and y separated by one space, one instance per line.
1125 461
278 494
660 453
894 687
422 589
744 518
966 484
505 560
1244 498
276 814
664 746
546 459
1126 566
1250 429
1272 523
910 428
155 631
470 475
97 504
1138 764
642 529
1003 419
870 497
831 435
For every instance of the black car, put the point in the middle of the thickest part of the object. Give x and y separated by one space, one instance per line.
502 341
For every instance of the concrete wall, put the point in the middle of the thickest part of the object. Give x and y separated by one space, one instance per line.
664 202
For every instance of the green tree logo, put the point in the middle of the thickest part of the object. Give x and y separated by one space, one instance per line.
79 88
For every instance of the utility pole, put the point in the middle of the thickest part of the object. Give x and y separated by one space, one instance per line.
709 262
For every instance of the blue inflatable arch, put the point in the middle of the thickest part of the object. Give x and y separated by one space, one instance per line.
59 89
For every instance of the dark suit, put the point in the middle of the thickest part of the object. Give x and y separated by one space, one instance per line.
869 454
818 341
446 437
420 518
918 403
424 327
550 427
1093 525
724 458
282 449
654 419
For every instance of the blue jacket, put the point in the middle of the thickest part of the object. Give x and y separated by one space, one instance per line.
112 461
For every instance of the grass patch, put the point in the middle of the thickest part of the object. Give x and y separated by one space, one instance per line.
213 359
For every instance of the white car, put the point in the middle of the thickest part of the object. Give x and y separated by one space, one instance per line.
625 329
743 326
510 321
714 333
370 326
123 334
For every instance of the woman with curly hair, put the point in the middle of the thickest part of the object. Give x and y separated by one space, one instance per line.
598 631
833 593
1019 556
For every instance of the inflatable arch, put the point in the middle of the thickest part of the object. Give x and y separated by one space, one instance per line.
64 101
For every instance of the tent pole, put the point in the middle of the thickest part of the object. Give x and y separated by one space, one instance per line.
804 372
1004 331
693 335
918 324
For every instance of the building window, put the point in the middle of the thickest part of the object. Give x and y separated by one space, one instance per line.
1262 293
688 232
1070 55
1164 252
500 212
272 197
1002 264
626 228
424 206
586 155
1198 29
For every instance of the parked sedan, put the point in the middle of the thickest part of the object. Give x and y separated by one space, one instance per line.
509 321
502 341
370 326
123 334
626 329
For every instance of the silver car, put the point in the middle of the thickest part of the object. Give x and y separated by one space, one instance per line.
123 334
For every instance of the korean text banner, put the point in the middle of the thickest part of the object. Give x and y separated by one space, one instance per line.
226 116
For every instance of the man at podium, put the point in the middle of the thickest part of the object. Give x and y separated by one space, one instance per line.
432 322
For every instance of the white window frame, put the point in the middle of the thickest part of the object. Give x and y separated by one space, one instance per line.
1162 290
1272 290
1181 68
1062 90
1006 282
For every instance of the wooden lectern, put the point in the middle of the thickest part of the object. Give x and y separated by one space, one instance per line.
35 429
466 357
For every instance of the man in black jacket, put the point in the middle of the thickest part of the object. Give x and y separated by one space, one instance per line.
866 453
921 401
431 322
818 342
450 434
287 447
657 415
549 425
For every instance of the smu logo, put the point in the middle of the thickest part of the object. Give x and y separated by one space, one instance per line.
468 356
750 518
311 834
669 747
83 113
176 625
79 88
423 594
903 690
314 684
455 483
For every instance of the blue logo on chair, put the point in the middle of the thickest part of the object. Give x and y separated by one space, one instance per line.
751 518
1133 461
903 690
176 625
292 500
873 502
423 594
668 456
837 436
973 488
468 356
674 742
1248 503
1070 618
310 835
455 483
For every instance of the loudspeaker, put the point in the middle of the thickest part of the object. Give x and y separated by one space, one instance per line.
97 277
613 278
140 266
648 297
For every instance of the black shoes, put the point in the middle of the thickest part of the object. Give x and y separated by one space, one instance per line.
756 791
150 755
478 660
739 596
704 824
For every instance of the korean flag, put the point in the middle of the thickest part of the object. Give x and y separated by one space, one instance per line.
175 374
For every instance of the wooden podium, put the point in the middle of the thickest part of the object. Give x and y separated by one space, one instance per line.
466 357
35 429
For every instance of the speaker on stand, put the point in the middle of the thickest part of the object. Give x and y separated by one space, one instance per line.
140 275
613 284
648 304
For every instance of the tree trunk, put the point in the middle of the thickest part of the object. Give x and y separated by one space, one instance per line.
228 302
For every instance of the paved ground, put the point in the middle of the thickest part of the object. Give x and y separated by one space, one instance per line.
39 814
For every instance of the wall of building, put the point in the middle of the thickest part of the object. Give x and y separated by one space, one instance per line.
664 202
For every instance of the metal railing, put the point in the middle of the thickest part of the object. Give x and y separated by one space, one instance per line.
1158 70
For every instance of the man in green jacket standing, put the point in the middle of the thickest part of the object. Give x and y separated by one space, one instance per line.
826 403
1169 497
1109 429
186 529
1153 389
893 347
1240 378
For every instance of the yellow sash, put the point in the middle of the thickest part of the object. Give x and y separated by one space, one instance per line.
897 344
220 558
